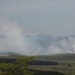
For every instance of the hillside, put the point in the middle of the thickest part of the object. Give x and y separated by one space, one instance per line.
58 57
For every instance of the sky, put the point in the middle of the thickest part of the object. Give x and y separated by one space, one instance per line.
25 26
53 17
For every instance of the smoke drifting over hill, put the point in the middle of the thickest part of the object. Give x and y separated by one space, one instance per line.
13 39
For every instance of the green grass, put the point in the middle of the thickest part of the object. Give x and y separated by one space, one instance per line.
66 65
66 70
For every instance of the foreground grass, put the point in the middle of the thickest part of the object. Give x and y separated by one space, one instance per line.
39 72
64 69
65 65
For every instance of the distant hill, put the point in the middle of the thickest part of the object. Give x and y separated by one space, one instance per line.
9 54
57 57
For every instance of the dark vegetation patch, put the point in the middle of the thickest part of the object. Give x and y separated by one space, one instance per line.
38 72
39 62
34 62
7 60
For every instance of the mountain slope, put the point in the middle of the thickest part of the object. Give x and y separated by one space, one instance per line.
58 57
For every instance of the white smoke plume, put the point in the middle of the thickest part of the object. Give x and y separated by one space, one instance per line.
13 39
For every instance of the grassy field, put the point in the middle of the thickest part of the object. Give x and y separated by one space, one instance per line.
65 65
66 70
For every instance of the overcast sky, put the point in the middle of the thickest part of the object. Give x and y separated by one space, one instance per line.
53 17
